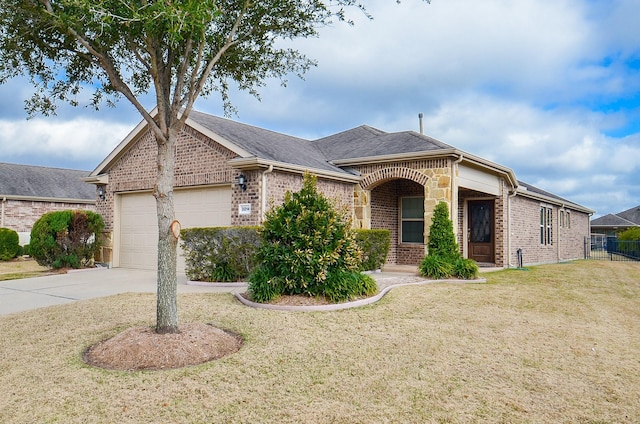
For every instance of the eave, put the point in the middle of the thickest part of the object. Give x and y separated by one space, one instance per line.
254 162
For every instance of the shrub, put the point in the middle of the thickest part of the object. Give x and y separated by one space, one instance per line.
66 238
435 267
631 234
9 244
466 269
442 241
443 259
306 247
374 245
220 253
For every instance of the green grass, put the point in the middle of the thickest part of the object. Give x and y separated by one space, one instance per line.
556 344
20 268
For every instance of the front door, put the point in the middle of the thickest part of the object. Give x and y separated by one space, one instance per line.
481 231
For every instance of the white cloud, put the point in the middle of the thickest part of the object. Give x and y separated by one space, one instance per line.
79 140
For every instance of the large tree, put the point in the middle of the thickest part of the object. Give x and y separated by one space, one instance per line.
175 50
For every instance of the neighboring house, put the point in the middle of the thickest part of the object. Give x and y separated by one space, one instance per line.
384 180
612 224
27 192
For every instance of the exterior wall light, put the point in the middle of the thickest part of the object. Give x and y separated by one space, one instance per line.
101 192
242 182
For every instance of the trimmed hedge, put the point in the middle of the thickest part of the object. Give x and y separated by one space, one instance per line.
66 238
220 253
374 245
9 244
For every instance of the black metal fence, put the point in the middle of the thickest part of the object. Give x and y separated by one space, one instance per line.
611 249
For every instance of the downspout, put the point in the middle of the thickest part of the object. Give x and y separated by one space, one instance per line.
454 199
558 246
264 191
4 200
509 197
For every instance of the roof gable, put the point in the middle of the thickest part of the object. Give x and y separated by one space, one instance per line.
365 141
43 182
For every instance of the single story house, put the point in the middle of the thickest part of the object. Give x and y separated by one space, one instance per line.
229 173
27 192
611 224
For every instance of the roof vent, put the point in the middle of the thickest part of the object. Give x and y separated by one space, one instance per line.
420 118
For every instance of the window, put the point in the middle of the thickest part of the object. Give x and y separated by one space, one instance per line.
561 219
568 220
412 220
546 225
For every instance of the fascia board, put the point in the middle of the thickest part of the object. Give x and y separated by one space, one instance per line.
255 162
120 148
132 137
442 153
97 179
47 199
553 201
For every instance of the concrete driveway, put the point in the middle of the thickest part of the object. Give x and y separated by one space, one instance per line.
32 293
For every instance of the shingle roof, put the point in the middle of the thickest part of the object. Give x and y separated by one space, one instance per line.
43 182
628 218
632 215
365 141
611 220
266 144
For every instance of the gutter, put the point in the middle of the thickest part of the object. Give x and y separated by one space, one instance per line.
49 199
255 162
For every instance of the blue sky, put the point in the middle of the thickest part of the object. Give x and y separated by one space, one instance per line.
550 90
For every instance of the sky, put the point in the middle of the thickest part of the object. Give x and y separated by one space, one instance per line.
548 89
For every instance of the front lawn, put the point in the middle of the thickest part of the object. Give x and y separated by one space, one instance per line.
558 343
21 268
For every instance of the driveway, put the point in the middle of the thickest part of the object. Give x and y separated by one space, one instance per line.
31 293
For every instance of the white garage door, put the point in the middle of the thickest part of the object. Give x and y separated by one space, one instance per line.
210 207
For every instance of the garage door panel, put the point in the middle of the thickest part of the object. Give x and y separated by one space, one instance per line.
139 229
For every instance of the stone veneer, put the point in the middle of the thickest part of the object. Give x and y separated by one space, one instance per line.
376 199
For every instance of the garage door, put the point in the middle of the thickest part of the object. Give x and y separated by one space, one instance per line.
208 207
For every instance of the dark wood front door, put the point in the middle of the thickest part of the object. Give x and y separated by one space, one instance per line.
481 231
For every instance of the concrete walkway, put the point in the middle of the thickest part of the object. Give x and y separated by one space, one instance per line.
31 293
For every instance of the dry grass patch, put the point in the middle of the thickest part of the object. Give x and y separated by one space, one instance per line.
556 344
21 268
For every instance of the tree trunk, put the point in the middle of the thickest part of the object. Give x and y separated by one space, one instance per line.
167 302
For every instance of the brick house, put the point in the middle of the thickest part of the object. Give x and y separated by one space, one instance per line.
27 192
384 180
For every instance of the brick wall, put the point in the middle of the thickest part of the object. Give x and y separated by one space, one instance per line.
20 215
199 161
568 242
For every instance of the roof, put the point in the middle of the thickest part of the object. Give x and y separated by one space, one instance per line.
628 218
39 182
266 144
332 155
528 189
365 141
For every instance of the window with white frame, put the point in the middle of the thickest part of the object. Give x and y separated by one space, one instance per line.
546 225
412 220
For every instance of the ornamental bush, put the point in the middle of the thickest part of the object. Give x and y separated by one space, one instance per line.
9 244
220 253
443 259
66 238
374 245
308 248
